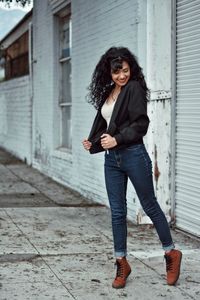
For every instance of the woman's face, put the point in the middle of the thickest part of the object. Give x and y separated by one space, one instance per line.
121 76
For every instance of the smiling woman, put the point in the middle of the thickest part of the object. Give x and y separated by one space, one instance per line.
119 92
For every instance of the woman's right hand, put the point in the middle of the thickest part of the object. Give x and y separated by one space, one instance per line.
86 144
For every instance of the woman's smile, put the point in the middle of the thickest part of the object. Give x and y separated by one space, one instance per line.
121 76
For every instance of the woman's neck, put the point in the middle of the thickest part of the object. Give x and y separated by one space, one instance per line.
117 88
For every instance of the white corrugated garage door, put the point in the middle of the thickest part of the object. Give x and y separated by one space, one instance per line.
187 160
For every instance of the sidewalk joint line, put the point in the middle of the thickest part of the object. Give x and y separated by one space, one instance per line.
39 255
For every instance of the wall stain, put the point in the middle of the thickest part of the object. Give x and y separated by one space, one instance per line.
156 169
41 152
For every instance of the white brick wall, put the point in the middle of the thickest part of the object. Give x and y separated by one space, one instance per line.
15 117
96 26
42 82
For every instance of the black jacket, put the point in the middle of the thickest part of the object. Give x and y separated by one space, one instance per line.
129 121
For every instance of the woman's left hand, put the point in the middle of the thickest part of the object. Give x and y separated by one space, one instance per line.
107 141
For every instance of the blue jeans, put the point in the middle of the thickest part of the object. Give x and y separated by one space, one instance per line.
134 163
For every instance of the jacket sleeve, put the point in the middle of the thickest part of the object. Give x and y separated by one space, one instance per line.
138 119
98 128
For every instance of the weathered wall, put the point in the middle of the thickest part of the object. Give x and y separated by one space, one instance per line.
16 117
97 25
158 72
42 84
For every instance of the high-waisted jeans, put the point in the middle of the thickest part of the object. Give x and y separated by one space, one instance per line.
134 163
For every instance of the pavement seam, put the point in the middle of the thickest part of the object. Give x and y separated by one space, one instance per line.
149 267
39 255
47 196
182 290
26 181
44 257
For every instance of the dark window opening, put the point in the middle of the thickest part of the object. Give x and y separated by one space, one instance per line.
17 58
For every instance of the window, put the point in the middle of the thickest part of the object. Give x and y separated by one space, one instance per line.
15 63
65 98
2 67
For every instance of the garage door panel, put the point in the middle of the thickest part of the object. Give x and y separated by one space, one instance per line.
187 123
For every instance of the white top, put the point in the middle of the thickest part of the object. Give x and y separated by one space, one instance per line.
107 110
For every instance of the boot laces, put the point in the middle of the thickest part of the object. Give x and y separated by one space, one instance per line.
169 263
120 269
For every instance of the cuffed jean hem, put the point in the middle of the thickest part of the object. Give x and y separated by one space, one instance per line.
168 248
120 253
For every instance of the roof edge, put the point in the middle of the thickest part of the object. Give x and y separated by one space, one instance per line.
17 25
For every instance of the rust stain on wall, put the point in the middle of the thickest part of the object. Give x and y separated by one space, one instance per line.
156 169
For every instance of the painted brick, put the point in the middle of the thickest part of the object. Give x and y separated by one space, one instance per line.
16 117
96 26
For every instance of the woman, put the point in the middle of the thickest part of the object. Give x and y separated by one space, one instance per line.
119 93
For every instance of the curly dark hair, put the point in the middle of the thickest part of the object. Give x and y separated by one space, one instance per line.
102 85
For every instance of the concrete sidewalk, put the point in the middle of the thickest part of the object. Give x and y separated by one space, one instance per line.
54 244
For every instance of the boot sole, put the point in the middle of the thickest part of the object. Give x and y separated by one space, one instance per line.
173 283
121 286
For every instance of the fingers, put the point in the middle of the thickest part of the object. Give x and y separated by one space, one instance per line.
104 135
87 147
108 141
104 140
86 144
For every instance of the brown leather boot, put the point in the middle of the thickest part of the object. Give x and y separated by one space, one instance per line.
123 270
173 265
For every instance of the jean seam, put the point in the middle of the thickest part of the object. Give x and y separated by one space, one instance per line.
147 161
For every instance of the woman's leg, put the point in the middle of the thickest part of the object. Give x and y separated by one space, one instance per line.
137 164
116 186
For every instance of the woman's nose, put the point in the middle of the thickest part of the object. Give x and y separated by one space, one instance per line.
121 75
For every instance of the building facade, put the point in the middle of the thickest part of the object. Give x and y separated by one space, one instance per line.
16 90
68 38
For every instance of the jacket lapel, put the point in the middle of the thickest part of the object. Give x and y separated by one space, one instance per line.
97 124
112 125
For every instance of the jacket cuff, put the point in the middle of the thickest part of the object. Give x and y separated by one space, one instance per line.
119 138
